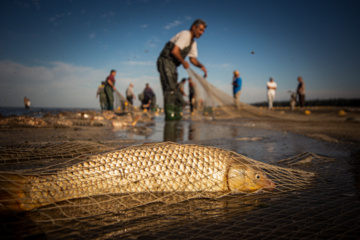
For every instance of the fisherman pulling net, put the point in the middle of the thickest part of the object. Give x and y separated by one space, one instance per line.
211 101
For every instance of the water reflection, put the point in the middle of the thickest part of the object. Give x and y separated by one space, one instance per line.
183 131
244 138
173 131
180 131
192 132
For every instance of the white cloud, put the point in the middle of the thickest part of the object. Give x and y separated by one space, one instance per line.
56 17
92 35
59 85
65 85
188 18
173 24
139 63
153 42
108 14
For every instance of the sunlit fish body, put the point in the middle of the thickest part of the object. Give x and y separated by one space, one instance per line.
159 167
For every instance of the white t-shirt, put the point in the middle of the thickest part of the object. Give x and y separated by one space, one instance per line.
271 84
183 40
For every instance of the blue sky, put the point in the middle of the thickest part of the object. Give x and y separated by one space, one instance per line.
57 52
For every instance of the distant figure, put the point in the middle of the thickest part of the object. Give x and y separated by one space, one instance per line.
173 54
181 93
130 96
271 86
148 98
292 100
27 102
109 89
181 85
301 92
101 92
237 81
191 94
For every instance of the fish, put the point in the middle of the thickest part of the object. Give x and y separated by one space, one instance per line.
152 167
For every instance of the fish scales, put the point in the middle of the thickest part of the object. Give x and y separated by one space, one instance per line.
161 167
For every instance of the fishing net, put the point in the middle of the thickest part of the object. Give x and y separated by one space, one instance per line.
163 213
121 104
210 101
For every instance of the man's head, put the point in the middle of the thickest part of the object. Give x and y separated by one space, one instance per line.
271 79
183 80
299 79
198 28
113 72
236 73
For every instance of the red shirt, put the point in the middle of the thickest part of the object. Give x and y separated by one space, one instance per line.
111 78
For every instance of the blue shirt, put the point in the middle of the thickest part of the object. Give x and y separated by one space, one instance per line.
237 88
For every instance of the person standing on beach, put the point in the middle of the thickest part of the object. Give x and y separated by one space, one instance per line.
271 88
237 82
301 92
109 89
130 96
174 53
181 86
191 94
27 103
149 98
101 92
181 92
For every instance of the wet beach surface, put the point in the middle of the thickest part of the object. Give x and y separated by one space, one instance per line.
328 209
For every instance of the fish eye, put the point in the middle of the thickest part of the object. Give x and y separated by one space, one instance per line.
257 176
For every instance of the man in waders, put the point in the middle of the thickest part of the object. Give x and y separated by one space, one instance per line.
109 89
174 53
101 92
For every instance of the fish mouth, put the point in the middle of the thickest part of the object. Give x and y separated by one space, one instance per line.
270 186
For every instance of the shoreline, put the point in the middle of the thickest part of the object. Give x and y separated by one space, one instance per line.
322 123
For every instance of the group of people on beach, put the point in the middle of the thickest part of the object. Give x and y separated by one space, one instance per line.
271 89
300 92
173 55
105 92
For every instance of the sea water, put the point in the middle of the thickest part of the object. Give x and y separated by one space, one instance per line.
236 135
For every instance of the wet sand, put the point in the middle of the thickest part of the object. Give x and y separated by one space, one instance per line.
328 210
323 124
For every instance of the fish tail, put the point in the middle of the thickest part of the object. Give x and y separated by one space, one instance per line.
12 192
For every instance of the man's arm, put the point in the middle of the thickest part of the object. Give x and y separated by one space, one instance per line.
111 84
199 65
176 53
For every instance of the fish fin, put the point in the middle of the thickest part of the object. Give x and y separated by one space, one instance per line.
12 192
